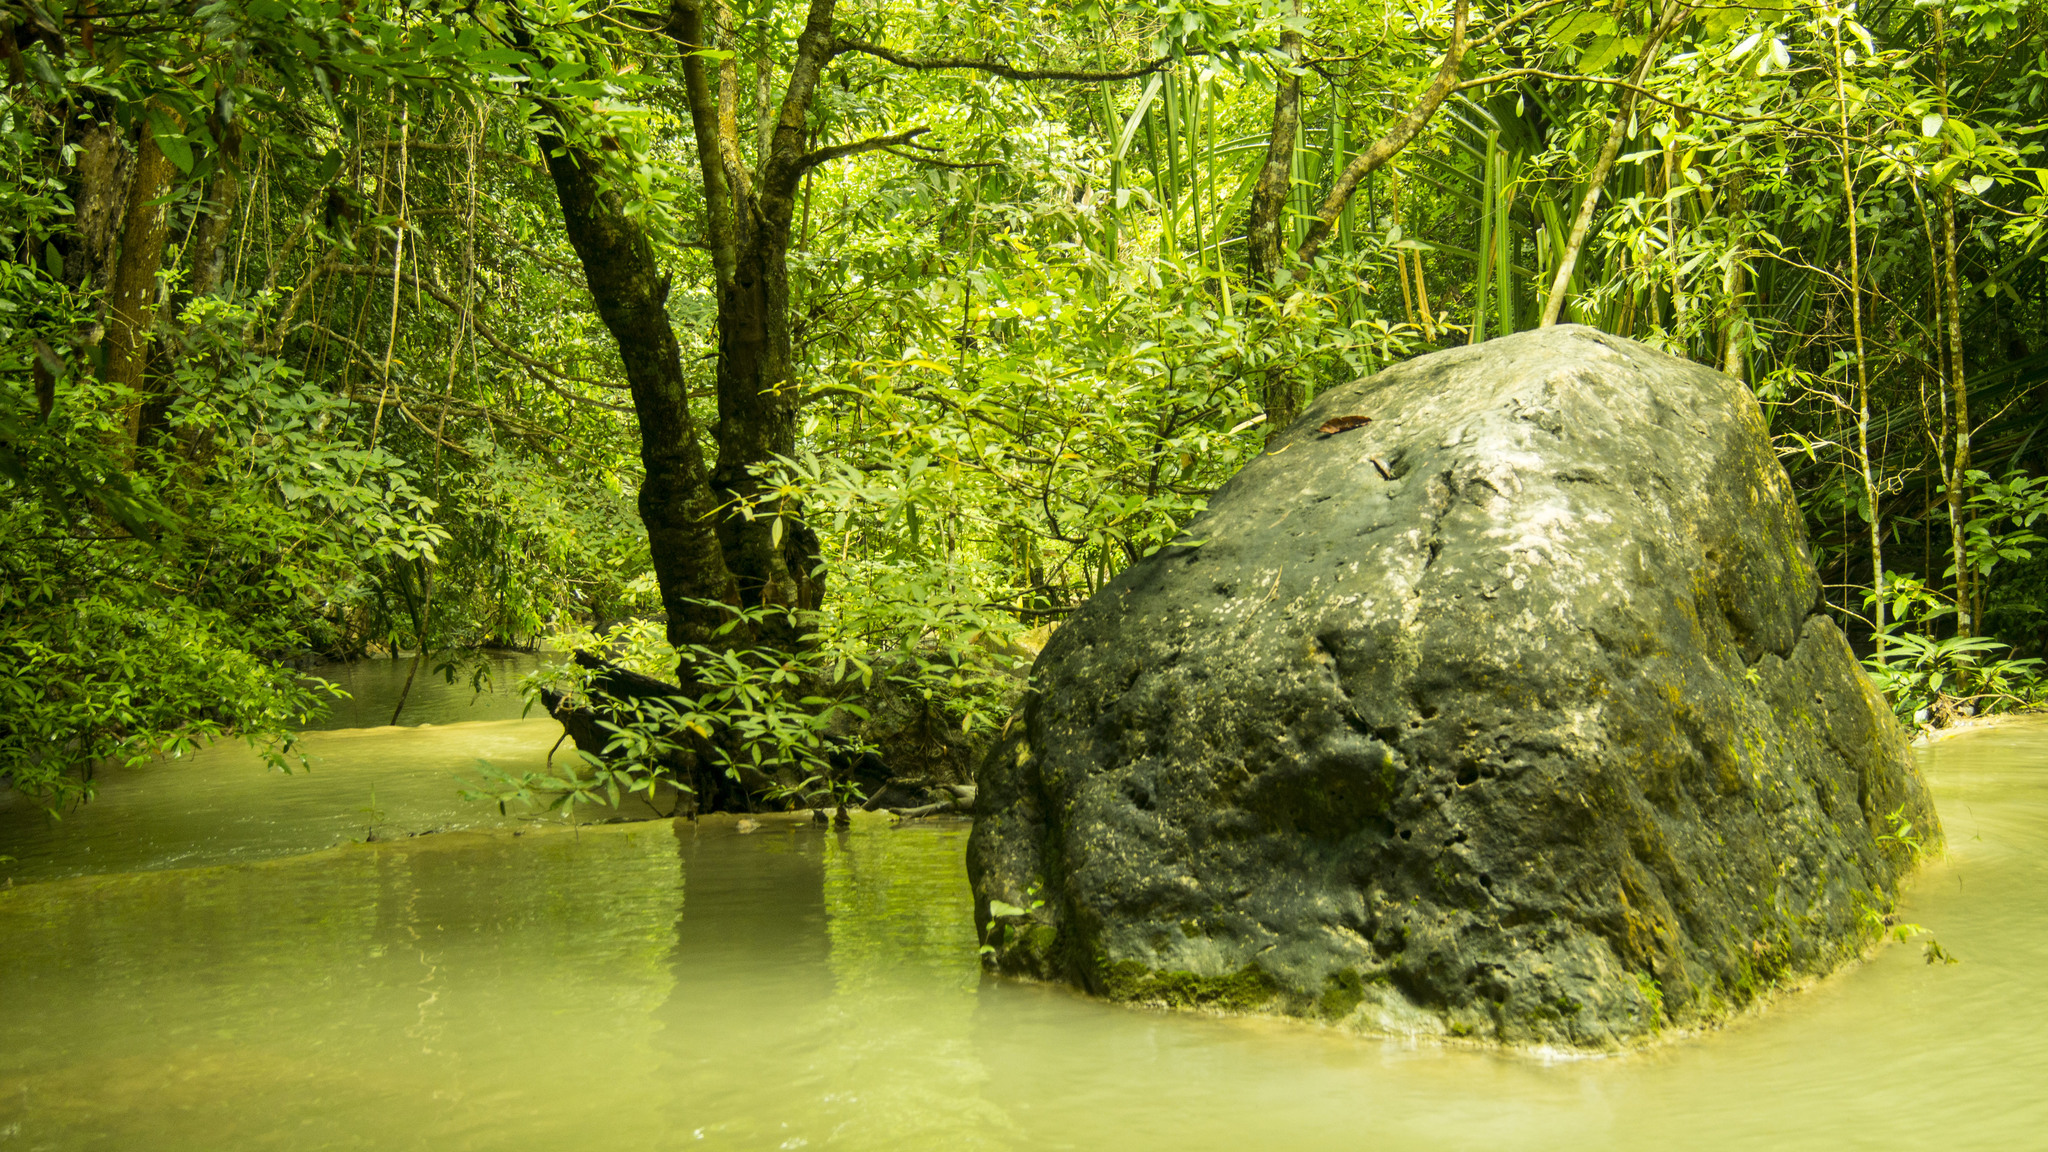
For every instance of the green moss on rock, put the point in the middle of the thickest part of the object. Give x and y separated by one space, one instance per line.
1245 990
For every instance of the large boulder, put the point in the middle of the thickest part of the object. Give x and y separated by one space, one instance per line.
1513 713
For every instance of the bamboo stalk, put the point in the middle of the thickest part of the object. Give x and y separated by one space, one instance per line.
1422 302
1485 249
1503 239
1609 150
1870 493
1966 621
1732 286
1401 254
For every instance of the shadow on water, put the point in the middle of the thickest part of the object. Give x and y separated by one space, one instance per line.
669 985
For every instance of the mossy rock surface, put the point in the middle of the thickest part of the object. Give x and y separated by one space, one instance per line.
1511 714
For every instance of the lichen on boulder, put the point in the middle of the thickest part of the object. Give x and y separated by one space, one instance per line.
1513 713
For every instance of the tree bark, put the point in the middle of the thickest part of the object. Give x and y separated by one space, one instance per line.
631 293
1270 195
99 196
132 294
210 234
772 554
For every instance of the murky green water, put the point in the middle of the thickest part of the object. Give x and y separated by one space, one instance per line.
657 985
224 805
372 688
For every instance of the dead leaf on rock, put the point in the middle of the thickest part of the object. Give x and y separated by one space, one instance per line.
1381 468
1338 424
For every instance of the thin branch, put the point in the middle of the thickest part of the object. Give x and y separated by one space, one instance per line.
493 153
1640 91
992 67
936 162
838 151
368 360
1390 145
490 337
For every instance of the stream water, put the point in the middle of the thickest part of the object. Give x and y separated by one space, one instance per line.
207 957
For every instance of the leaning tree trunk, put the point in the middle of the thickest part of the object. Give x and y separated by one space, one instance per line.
676 501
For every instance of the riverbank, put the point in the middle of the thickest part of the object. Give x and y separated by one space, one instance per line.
1927 735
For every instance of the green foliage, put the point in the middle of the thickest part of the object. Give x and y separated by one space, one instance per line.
2003 515
1028 345
252 506
1918 669
1913 664
754 712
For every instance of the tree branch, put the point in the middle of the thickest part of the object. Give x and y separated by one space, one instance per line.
992 67
786 162
490 337
368 360
837 151
1390 145
936 162
1643 93
1568 260
685 26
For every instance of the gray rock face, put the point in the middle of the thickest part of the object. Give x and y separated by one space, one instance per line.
1509 714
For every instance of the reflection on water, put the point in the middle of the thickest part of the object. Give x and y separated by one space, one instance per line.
224 804
372 688
659 986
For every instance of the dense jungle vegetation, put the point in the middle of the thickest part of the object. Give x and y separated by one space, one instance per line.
862 339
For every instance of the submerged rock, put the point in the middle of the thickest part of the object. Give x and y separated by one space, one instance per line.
1510 713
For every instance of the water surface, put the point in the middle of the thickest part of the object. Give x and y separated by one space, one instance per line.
675 985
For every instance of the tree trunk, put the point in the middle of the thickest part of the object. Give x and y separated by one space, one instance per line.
1734 283
1268 216
1952 298
132 294
209 253
771 555
1871 495
210 235
676 502
99 197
